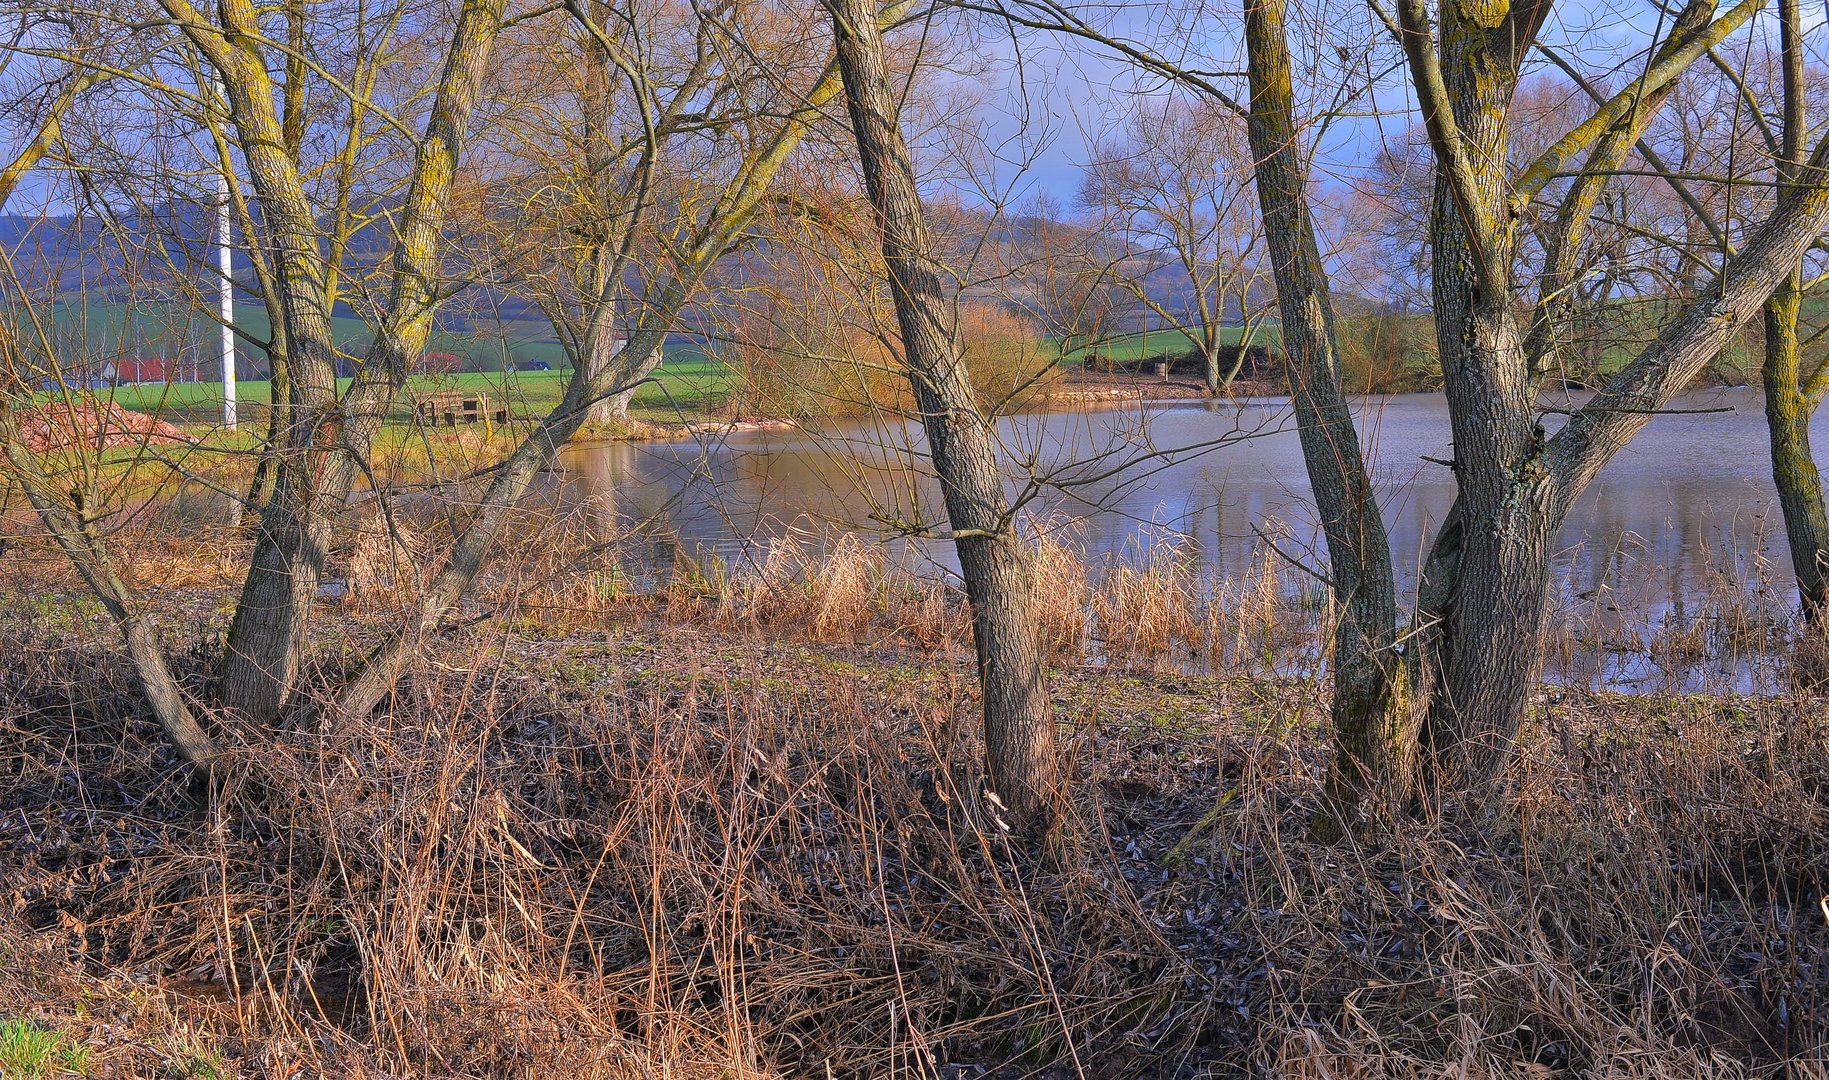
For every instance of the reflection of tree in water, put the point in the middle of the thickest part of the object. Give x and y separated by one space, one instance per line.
1648 537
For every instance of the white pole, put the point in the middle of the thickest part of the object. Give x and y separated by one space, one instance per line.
227 295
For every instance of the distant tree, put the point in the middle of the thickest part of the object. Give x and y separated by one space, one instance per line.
1065 283
1170 203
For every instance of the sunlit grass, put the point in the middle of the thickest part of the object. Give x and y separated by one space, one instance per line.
688 385
28 1052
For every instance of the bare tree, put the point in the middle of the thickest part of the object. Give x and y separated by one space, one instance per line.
1018 717
1069 288
644 111
704 237
325 436
1484 593
1171 204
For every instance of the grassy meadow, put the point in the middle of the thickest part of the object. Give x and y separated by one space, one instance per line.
689 384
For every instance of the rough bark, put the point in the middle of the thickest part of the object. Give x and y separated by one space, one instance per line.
1374 707
325 438
1484 641
1791 398
612 407
1788 409
1018 718
1485 587
1481 624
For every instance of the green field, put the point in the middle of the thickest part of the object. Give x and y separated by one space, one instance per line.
1145 344
688 385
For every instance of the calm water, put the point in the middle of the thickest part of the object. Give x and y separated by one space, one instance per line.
1690 492
1686 510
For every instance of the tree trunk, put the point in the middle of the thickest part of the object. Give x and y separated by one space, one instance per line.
1375 706
607 226
1485 587
1788 411
266 635
610 408
1789 402
1018 718
1211 375
327 439
1487 579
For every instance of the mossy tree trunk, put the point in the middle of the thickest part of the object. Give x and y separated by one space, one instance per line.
1793 394
1375 713
325 436
1485 588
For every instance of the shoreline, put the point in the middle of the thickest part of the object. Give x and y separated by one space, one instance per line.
1073 392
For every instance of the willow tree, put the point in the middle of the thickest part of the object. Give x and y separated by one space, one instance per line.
766 87
1487 578
993 559
1486 581
644 108
1477 634
323 439
764 137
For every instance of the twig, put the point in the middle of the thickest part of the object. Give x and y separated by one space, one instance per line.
1551 409
1311 571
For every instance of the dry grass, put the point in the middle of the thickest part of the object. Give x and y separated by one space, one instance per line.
1150 608
658 850
632 829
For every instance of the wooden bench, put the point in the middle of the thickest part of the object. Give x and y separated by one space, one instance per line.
453 407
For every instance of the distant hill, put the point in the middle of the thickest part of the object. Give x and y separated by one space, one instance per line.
124 283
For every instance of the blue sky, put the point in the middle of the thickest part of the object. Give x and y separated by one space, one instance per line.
1055 98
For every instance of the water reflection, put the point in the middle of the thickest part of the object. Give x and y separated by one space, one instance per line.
1689 491
1685 508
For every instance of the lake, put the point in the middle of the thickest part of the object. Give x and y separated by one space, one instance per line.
1686 511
